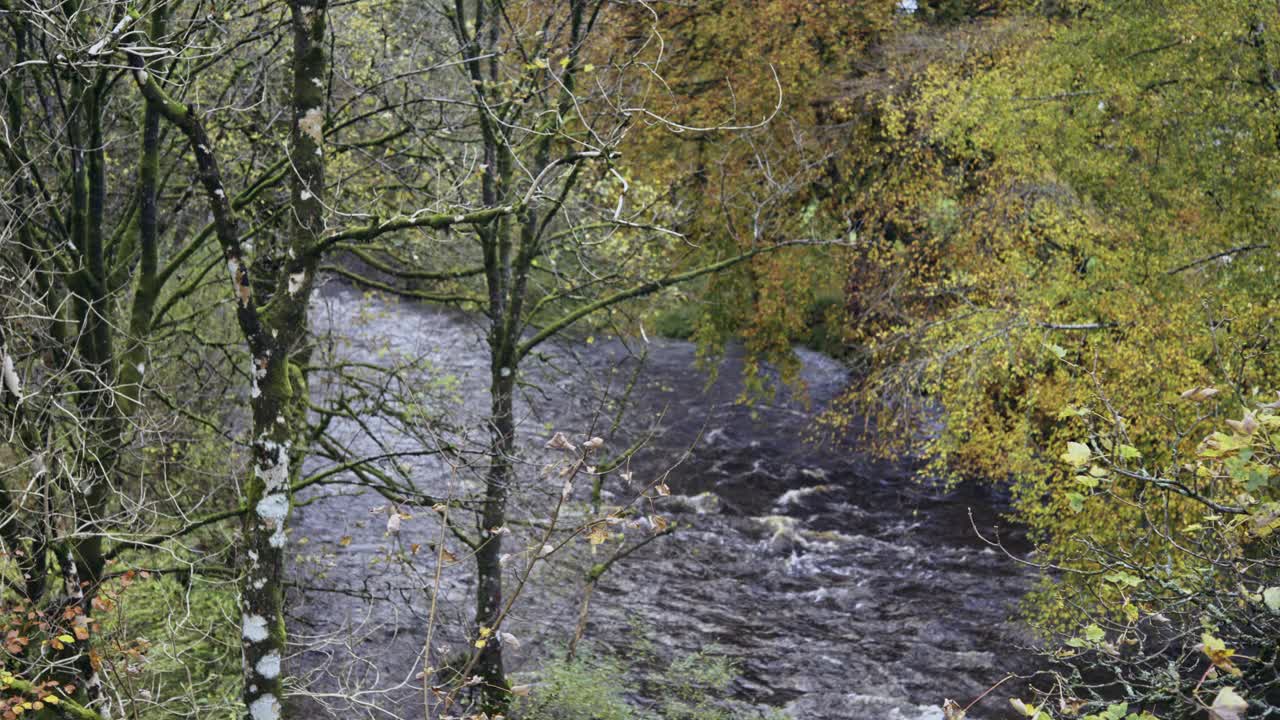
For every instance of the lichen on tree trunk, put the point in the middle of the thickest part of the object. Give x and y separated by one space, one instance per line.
280 390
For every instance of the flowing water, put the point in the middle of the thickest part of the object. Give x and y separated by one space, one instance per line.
842 587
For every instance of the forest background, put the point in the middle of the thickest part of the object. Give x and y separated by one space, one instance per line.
1041 233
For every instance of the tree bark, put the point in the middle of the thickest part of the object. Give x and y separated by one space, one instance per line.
279 393
495 691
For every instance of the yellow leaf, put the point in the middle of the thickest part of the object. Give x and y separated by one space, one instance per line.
1218 653
598 534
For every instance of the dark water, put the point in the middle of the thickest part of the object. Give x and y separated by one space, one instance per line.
842 587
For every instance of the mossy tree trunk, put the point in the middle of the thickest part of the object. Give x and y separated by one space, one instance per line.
279 398
275 331
102 423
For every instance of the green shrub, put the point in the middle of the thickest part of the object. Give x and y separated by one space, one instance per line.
698 683
580 689
175 645
1193 629
692 687
677 321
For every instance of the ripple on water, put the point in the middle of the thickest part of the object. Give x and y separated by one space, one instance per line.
842 590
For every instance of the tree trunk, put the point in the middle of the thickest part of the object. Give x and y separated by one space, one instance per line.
495 692
279 393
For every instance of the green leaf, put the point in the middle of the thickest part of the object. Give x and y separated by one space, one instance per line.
1117 711
1131 612
1129 452
1123 578
1087 481
1257 480
1094 634
1221 445
1077 454
1076 501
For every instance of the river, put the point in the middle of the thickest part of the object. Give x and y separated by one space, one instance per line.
842 587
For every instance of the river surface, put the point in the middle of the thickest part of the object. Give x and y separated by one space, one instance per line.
841 587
